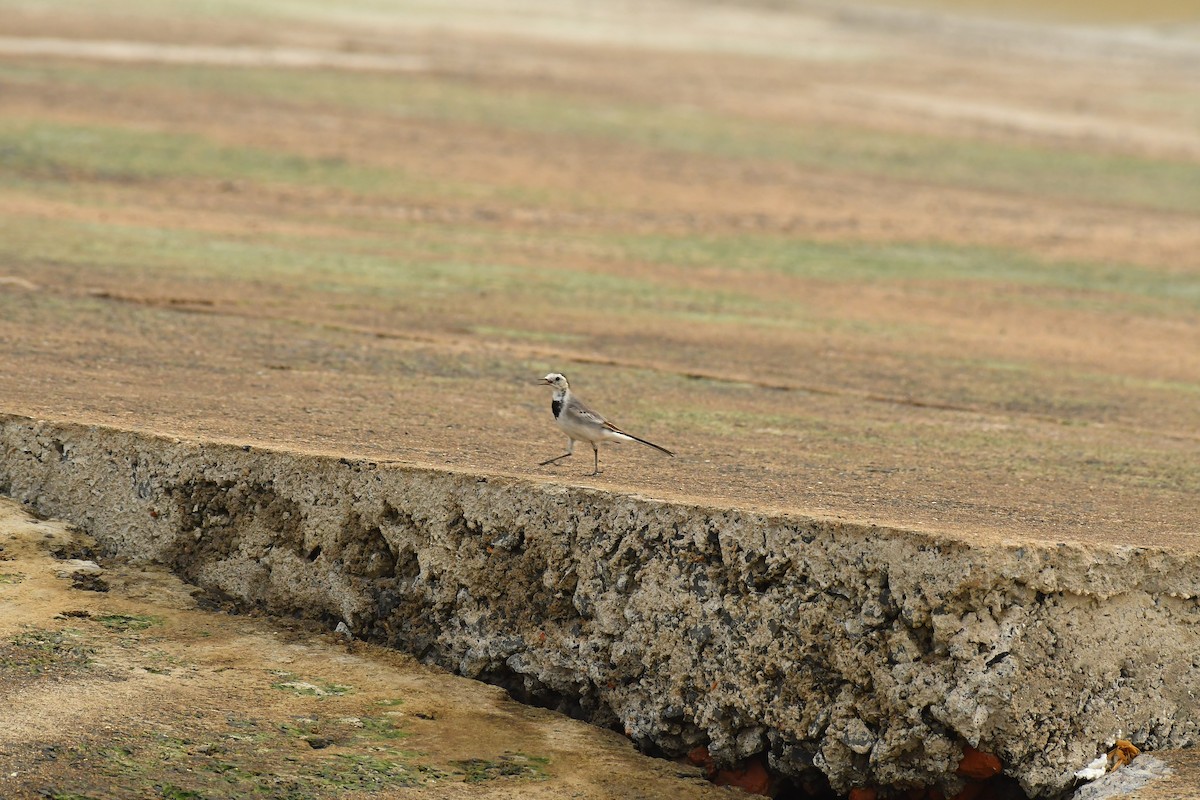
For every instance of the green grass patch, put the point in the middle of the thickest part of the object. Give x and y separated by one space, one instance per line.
514 334
122 761
899 261
940 267
333 266
40 150
124 623
1028 168
309 688
507 766
375 772
227 755
382 728
413 264
11 578
255 758
37 652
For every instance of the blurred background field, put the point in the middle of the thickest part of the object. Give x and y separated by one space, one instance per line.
882 263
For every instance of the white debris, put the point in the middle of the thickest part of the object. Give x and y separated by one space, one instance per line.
1094 770
1123 782
75 565
343 629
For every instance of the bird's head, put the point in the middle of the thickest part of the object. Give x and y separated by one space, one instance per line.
555 379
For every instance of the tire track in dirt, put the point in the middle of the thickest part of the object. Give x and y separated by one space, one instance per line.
211 55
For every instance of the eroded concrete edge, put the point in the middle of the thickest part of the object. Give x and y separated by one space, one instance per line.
870 654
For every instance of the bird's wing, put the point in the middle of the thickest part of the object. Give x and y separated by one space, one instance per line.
587 414
596 417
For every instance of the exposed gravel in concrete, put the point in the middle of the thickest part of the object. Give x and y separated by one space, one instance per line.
867 653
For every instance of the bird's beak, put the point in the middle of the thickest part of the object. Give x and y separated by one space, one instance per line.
541 382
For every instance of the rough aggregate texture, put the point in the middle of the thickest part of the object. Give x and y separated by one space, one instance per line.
870 654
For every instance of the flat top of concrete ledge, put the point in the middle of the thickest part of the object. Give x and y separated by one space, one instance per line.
832 284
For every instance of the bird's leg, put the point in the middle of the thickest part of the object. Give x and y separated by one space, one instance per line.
570 449
596 458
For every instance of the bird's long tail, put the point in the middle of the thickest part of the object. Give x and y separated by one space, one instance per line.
650 444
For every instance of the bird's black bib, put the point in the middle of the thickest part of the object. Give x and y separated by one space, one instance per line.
556 406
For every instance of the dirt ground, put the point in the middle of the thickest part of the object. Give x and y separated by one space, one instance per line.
901 269
123 682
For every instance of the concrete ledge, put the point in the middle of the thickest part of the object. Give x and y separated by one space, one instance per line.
872 655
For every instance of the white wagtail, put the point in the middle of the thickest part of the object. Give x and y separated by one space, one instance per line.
580 422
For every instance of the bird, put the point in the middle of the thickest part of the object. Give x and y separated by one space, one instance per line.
579 422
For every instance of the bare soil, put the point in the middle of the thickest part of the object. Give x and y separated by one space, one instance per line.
985 405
